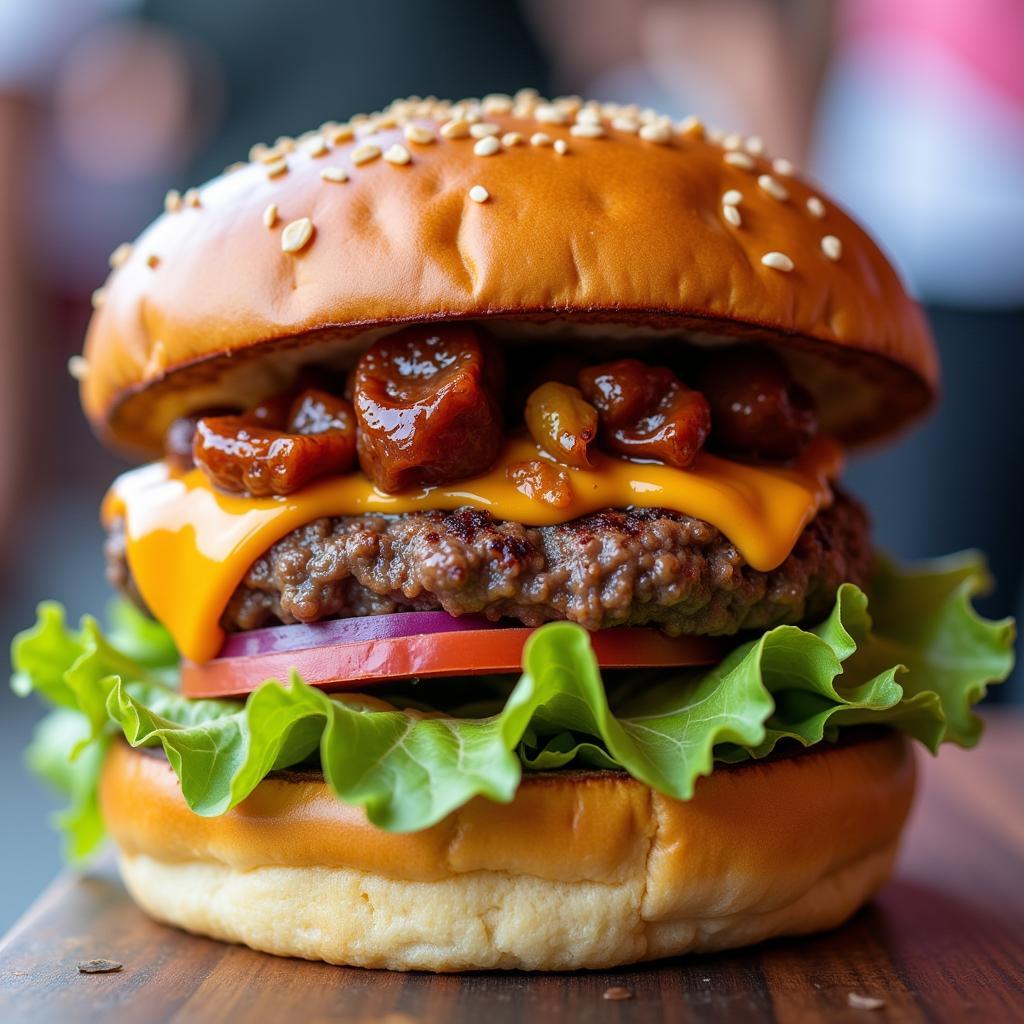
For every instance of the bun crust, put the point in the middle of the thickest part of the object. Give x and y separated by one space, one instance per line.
581 870
618 236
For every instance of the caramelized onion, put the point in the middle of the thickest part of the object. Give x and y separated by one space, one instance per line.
647 411
562 423
756 408
315 412
251 454
179 437
427 405
542 482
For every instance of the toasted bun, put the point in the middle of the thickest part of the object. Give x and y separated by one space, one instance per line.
621 237
581 870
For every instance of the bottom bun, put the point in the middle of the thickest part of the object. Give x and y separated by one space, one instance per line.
581 870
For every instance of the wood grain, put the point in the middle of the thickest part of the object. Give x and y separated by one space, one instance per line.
944 942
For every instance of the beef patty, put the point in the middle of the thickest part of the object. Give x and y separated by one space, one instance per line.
612 568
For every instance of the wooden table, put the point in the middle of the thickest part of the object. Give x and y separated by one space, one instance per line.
944 942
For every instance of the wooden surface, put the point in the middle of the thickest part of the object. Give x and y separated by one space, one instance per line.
944 942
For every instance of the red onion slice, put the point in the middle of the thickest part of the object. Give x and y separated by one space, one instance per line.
356 630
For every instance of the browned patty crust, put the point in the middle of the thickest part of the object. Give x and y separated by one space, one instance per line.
612 568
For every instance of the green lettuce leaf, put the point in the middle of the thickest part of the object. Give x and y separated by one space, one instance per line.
917 661
60 753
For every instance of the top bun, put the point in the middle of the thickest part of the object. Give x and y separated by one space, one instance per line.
629 226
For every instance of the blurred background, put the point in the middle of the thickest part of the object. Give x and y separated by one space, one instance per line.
910 112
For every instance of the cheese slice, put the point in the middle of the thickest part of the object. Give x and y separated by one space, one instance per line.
189 545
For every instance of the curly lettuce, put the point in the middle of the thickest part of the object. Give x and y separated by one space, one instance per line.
917 661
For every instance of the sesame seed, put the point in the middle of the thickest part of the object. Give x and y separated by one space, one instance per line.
754 145
365 153
733 197
343 133
192 198
777 261
588 115
78 367
510 139
626 124
741 160
236 166
296 235
586 131
285 143
780 165
397 154
715 135
483 128
270 216
860 1002
540 139
497 103
276 168
479 194
157 361
655 133
732 141
99 297
561 147
152 261
487 146
458 128
419 134
832 247
172 201
691 125
257 151
316 146
271 156
774 188
732 215
548 113
120 255
334 174
815 206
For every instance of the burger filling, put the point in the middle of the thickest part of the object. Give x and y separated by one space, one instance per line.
689 495
429 407
612 568
426 409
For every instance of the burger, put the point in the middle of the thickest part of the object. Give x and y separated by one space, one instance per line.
489 596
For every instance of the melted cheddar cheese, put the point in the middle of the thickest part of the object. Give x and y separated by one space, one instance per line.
189 545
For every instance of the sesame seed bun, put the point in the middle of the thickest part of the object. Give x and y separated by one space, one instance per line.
600 222
581 870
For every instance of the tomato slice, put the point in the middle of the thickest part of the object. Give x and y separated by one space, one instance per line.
465 652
